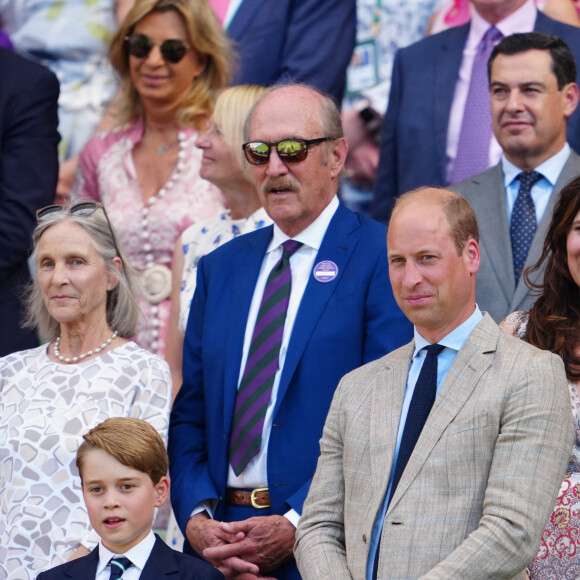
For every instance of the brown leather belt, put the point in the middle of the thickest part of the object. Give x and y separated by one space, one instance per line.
257 498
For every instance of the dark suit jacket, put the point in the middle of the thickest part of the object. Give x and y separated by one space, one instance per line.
162 563
339 326
496 291
28 175
414 137
309 41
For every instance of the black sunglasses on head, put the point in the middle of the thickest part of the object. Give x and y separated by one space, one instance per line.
172 49
83 209
289 150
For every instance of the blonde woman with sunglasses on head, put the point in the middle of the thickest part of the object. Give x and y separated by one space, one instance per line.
172 58
83 304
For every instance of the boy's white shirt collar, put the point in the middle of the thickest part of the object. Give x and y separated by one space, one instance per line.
138 554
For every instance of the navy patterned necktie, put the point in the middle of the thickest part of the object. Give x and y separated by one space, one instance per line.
118 567
419 409
261 367
523 224
475 134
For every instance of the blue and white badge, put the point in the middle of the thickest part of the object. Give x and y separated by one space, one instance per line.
325 271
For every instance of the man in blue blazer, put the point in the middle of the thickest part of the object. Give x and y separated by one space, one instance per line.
415 131
341 314
309 41
28 176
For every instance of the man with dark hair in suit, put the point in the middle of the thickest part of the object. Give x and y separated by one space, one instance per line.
533 94
437 128
28 176
278 316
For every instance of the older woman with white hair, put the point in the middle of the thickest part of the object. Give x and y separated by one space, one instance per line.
83 303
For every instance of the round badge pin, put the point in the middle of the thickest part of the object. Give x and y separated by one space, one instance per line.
325 271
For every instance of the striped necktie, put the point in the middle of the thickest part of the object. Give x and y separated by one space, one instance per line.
118 567
262 365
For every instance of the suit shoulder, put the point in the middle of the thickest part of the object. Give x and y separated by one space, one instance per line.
427 45
22 71
192 568
74 569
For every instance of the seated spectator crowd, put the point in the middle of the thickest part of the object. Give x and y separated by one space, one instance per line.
214 364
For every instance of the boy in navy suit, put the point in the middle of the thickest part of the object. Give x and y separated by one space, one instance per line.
123 465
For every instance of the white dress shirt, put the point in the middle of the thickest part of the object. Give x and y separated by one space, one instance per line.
541 190
138 555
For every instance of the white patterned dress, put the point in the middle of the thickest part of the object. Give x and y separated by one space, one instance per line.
45 408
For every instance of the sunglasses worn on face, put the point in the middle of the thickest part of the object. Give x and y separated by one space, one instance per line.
172 49
82 209
289 150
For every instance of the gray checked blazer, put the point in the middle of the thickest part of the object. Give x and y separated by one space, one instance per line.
496 291
480 485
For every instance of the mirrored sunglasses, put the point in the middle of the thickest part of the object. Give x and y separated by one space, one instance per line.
289 150
172 49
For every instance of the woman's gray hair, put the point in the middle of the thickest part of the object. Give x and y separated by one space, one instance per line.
122 308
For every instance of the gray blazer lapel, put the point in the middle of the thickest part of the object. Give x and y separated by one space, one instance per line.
570 170
486 194
461 380
387 401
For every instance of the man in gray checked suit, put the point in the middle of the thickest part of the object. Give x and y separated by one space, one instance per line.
482 475
533 93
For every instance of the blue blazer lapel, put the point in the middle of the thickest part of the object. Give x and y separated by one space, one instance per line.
243 17
244 270
337 246
446 73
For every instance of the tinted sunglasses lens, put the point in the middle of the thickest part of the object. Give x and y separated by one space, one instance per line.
292 151
173 50
44 212
139 45
85 208
257 153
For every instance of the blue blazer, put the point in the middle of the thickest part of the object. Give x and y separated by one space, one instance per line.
28 175
340 325
309 41
163 562
414 137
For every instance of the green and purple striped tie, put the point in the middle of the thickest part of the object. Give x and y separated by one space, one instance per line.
262 364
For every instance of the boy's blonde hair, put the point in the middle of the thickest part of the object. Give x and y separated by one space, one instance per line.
132 442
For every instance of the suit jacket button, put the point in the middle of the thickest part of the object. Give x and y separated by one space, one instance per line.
364 538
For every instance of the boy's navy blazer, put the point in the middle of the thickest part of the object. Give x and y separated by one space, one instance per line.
163 562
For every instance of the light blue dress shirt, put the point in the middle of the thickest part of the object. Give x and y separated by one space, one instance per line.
452 343
542 189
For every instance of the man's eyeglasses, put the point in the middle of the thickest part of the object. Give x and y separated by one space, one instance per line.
172 49
289 150
82 209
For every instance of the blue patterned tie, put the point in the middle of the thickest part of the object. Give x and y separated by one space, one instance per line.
255 389
419 409
523 225
475 135
118 567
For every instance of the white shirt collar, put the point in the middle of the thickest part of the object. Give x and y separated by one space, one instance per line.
550 169
138 554
313 235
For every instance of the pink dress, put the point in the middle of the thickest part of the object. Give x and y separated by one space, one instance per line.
148 230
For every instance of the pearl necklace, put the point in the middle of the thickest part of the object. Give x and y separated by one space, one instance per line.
75 359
